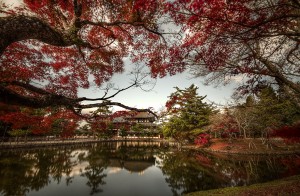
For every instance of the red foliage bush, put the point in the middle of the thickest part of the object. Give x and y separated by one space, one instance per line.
288 133
202 139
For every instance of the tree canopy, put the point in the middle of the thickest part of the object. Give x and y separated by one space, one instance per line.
50 49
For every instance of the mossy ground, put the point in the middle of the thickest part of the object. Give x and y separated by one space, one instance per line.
284 187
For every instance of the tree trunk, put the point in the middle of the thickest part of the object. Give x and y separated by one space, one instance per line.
18 28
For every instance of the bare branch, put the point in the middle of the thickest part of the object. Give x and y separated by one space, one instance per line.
104 97
109 103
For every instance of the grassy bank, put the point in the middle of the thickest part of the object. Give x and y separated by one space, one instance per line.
286 186
252 146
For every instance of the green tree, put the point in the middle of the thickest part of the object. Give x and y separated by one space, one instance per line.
138 129
123 132
17 133
273 111
267 111
189 114
58 126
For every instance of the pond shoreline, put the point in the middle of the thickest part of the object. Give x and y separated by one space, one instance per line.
76 142
273 152
242 147
239 147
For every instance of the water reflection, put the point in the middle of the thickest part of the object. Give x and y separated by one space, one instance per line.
191 171
116 168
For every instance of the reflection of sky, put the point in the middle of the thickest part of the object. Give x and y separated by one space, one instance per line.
78 169
113 170
117 182
152 182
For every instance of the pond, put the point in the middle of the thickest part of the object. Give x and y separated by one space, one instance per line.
132 168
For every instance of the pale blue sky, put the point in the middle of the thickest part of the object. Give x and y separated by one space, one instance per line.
158 96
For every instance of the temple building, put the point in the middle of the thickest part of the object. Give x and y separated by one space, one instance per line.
136 124
143 118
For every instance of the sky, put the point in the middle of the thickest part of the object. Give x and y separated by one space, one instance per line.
158 96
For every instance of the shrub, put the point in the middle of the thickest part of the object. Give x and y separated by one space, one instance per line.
202 139
288 133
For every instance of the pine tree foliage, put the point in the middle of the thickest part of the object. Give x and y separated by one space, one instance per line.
189 114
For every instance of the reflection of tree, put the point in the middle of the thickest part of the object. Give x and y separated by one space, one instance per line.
184 174
98 161
41 169
189 171
186 171
13 170
94 174
31 170
62 163
240 171
100 157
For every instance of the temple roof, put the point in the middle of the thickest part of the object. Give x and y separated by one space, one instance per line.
132 166
143 115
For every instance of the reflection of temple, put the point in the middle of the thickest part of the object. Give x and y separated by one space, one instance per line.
134 166
137 144
132 156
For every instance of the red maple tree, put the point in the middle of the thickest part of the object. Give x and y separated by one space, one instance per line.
49 49
41 122
258 40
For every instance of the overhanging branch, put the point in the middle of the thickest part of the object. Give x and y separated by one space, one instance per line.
110 103
40 98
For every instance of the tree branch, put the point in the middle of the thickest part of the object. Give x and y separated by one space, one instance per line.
18 28
43 98
109 103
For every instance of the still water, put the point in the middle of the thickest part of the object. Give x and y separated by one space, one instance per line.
132 168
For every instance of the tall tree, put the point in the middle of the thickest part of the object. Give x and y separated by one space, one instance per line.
189 114
244 116
274 112
258 40
51 48
265 112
